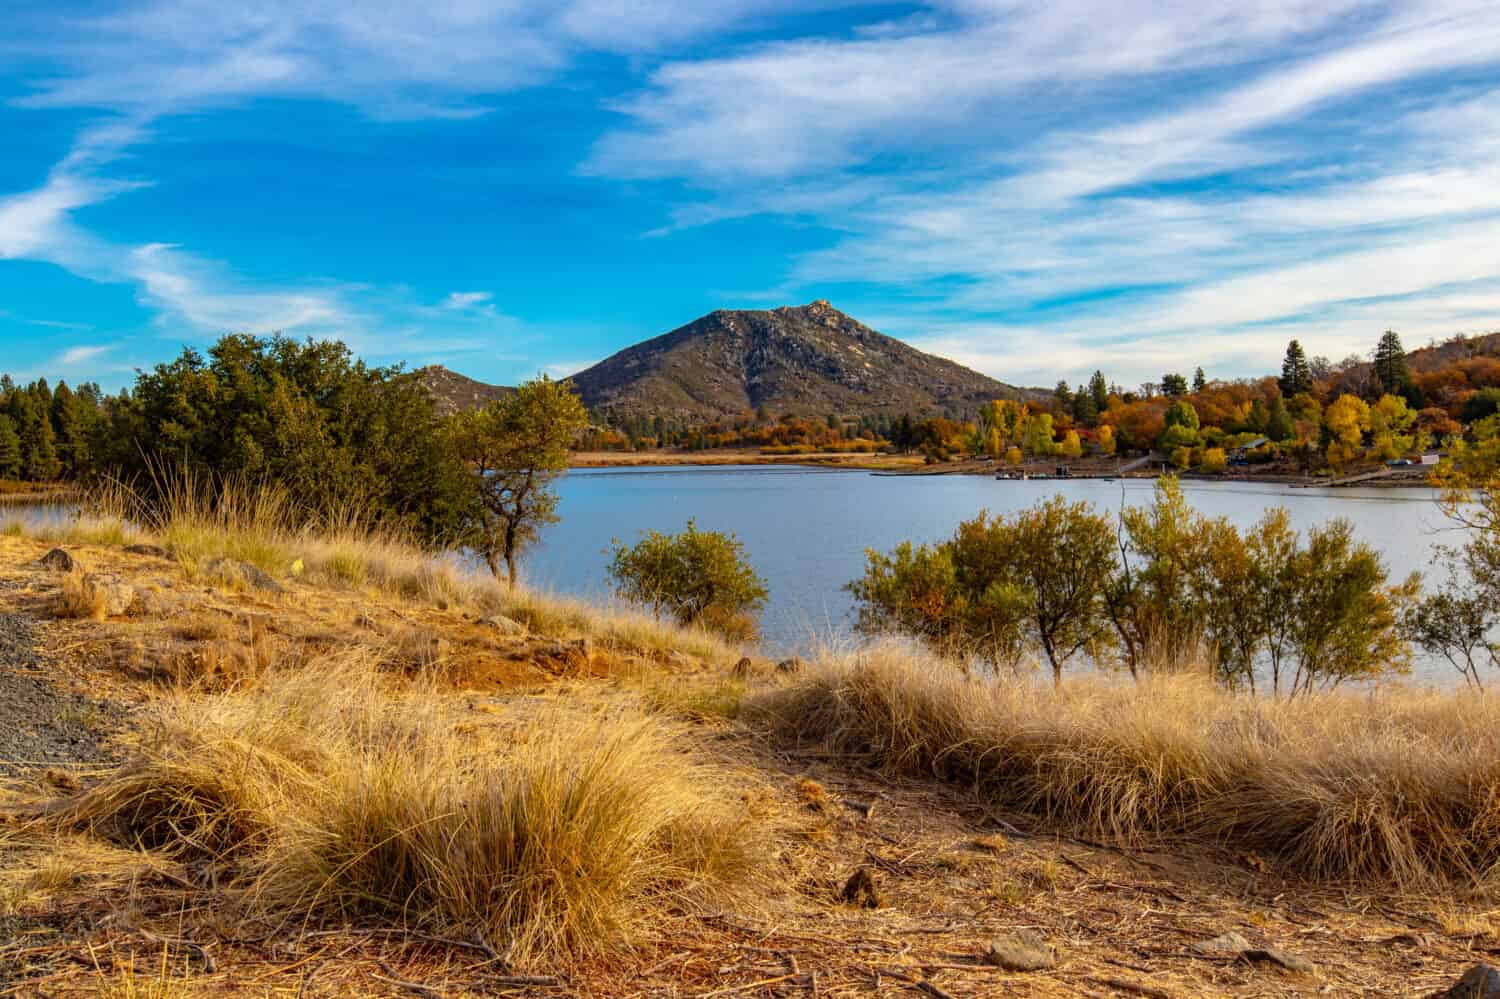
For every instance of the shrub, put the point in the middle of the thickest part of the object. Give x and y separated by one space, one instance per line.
1214 460
999 585
696 577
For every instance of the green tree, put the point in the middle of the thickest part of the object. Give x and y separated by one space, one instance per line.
1348 619
515 448
1279 426
1296 376
1099 391
10 448
1460 620
999 585
696 577
1200 380
1181 426
337 434
1174 385
1391 371
1085 411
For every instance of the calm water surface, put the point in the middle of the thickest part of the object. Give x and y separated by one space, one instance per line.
806 530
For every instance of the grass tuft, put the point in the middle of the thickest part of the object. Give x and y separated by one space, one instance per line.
324 795
1397 786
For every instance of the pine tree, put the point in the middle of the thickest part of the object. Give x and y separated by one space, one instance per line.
1391 372
10 448
1063 395
1200 382
1296 376
1173 384
1084 410
1099 391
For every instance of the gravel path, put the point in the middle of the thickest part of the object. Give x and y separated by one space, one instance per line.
41 724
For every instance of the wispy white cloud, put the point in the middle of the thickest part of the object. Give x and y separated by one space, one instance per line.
466 299
74 356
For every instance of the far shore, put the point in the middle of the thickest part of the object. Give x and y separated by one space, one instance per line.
912 464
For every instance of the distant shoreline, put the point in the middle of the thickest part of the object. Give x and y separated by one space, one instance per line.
1089 468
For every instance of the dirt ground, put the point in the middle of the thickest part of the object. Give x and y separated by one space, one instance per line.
872 886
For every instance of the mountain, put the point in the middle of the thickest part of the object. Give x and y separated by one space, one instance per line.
452 392
809 360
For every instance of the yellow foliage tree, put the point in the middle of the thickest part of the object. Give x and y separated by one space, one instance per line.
1072 447
1106 439
1346 420
1014 456
1214 460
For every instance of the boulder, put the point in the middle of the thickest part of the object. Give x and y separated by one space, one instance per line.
1019 951
115 596
150 551
59 561
1479 982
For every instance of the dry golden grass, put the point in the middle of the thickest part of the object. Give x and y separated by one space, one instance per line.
325 794
1398 785
201 520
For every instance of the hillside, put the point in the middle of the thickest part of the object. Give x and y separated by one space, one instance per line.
452 392
809 360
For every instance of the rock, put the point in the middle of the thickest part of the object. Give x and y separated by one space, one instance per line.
1233 944
1479 982
861 890
1225 944
1280 958
152 603
792 665
59 561
1020 951
114 595
242 574
504 625
151 551
743 668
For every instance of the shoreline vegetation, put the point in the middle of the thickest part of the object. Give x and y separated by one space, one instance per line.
270 734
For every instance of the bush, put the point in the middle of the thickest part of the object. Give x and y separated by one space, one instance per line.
998 586
1214 459
697 577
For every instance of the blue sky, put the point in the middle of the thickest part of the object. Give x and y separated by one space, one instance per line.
1036 189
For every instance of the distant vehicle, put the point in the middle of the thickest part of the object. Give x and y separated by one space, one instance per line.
1063 472
1400 462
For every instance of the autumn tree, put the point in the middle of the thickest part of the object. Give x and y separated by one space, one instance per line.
515 448
1346 420
1296 375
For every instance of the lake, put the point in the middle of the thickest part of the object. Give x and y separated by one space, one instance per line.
805 530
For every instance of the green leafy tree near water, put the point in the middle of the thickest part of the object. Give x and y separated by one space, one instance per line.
515 448
697 577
